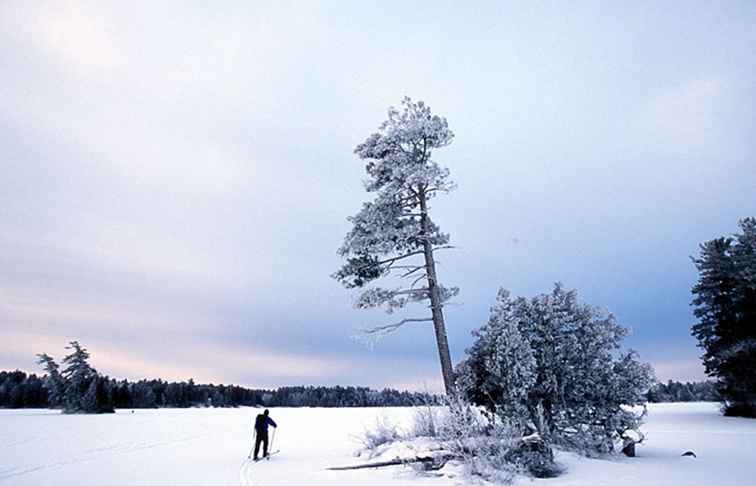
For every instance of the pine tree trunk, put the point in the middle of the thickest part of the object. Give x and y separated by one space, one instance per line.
435 298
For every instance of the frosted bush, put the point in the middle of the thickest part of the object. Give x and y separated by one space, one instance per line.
551 364
383 432
482 446
426 421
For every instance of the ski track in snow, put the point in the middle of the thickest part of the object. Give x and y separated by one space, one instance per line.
90 455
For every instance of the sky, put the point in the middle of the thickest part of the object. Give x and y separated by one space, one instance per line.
175 177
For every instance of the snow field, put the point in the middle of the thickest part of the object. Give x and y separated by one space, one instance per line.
725 448
193 447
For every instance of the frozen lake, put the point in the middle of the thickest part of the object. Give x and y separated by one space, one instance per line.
208 447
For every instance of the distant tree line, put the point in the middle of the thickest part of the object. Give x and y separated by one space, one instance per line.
675 391
79 388
19 390
321 396
22 390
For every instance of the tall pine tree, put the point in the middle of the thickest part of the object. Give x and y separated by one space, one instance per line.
395 229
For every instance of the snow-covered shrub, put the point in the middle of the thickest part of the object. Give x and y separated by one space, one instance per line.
481 445
487 445
460 421
533 455
549 363
426 420
383 432
490 459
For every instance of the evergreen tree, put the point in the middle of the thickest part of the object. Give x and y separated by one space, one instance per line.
89 400
149 397
395 228
54 382
714 300
725 305
78 375
686 395
98 397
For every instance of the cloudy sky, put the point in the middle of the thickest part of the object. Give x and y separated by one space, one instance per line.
174 179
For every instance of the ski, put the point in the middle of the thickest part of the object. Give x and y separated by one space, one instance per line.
267 458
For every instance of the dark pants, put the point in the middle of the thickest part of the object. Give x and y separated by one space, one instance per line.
261 437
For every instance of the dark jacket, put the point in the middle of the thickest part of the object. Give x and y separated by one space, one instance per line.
262 422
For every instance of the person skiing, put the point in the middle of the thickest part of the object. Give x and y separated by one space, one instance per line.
261 432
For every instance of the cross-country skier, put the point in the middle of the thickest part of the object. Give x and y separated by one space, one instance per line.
261 432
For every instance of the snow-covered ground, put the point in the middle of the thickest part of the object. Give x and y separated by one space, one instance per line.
208 447
725 448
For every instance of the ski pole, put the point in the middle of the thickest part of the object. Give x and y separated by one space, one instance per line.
272 438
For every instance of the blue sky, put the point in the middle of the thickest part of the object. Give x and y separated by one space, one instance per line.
176 179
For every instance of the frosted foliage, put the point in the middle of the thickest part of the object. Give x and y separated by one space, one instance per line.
401 173
556 359
400 152
383 432
395 299
507 366
386 226
392 299
393 234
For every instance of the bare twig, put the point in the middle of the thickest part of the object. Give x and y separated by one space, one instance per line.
418 279
393 327
406 267
410 272
409 291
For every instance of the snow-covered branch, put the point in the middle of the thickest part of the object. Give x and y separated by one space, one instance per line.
392 299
